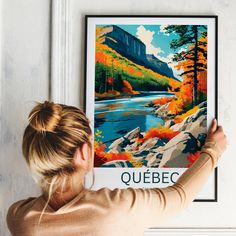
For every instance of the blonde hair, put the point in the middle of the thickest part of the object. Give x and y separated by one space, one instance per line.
50 140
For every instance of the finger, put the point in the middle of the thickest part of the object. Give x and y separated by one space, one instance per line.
213 126
220 128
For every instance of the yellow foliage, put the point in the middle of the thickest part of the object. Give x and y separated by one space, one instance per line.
180 118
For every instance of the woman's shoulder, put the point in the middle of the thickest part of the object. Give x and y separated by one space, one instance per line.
17 213
18 208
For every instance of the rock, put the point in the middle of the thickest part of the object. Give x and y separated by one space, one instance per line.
148 144
140 154
195 123
116 146
157 106
119 144
163 110
203 104
178 148
162 67
131 147
193 133
170 116
133 133
147 147
156 152
117 163
149 104
169 123
154 159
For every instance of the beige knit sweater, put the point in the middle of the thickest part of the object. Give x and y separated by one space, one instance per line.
114 212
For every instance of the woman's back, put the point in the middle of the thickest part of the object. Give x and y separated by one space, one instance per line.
58 147
120 211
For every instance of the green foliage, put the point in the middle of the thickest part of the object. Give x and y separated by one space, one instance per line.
138 83
187 106
201 97
147 84
100 75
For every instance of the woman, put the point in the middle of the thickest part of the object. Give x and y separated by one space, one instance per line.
58 147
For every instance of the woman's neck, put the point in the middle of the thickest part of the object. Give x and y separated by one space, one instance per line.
62 196
58 200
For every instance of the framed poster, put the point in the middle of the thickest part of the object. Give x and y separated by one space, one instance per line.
151 94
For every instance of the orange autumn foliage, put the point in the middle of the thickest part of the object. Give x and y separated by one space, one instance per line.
176 106
162 101
127 85
111 156
99 157
173 84
99 149
128 88
100 57
132 71
180 118
192 157
102 157
202 81
110 80
160 132
184 95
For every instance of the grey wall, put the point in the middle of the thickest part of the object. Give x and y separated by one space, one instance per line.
25 67
24 79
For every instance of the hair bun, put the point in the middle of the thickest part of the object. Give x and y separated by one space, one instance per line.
45 116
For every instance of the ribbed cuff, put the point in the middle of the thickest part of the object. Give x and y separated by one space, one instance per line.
213 150
213 145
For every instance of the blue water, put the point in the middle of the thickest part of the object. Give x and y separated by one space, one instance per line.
117 117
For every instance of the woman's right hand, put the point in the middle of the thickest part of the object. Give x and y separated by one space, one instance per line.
216 134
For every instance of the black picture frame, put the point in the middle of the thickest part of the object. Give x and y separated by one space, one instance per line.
215 17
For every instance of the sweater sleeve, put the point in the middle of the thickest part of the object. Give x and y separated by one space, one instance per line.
148 207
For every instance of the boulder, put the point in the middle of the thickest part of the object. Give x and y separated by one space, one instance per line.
133 133
149 143
203 104
195 123
178 148
116 146
157 105
119 144
146 147
162 110
154 159
169 123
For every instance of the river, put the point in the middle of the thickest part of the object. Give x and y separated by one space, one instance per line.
116 117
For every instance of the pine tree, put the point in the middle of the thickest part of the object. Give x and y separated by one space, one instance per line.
189 38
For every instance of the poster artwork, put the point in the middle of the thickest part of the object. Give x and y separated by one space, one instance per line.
150 100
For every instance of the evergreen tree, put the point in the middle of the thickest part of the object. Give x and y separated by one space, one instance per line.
189 38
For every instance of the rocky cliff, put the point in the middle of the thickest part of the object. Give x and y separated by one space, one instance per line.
132 48
159 66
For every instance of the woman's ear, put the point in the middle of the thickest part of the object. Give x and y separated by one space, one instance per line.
81 157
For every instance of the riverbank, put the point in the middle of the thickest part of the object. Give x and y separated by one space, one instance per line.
130 95
171 145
